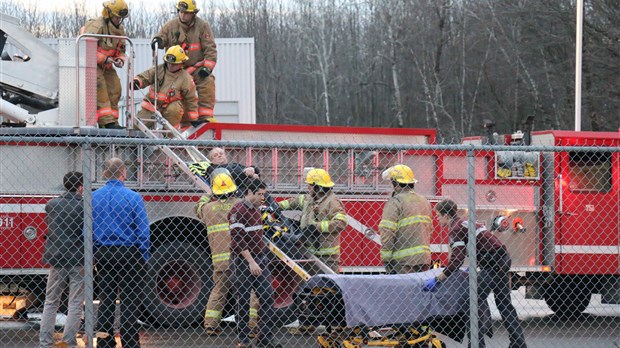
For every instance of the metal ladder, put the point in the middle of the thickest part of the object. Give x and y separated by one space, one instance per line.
167 130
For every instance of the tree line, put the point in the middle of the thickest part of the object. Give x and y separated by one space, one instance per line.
443 64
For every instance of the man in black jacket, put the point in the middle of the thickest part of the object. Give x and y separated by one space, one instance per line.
64 251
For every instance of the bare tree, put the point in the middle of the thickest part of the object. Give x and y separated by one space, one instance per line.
428 63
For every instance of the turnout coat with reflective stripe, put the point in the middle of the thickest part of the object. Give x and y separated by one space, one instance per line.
106 47
405 228
197 40
327 213
215 216
173 86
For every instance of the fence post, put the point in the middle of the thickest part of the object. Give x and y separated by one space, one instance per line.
88 245
471 251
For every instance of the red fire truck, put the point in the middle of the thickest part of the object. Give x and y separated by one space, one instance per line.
558 210
562 218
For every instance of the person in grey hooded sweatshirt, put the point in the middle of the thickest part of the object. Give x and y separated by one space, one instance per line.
64 252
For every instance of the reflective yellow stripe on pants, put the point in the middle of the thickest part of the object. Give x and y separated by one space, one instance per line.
325 251
400 254
217 228
220 257
217 315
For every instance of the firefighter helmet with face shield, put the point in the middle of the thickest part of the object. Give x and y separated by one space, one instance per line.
116 8
187 6
175 55
400 173
319 177
222 182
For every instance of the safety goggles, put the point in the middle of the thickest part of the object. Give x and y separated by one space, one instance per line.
182 7
123 13
171 58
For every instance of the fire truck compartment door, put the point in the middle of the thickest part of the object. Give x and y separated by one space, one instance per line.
588 239
513 201
21 235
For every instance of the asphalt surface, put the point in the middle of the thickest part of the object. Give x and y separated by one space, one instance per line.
599 327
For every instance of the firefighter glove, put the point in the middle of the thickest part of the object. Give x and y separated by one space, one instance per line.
277 234
430 285
157 40
200 168
201 203
204 72
136 84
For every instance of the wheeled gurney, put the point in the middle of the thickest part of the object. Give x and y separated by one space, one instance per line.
387 310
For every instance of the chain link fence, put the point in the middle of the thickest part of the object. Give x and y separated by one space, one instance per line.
555 210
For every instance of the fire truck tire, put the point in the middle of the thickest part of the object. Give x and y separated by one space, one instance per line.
568 297
178 285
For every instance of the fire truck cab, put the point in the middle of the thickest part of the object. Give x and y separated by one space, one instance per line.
576 205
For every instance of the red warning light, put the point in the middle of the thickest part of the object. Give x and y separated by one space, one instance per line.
517 225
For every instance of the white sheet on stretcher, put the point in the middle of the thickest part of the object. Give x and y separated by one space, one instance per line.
379 300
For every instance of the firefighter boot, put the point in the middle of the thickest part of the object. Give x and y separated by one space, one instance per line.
203 119
213 331
113 125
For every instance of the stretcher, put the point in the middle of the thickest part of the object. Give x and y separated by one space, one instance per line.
387 310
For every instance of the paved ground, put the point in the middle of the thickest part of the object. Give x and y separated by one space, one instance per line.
598 327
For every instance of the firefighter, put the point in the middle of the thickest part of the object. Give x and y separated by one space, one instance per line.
406 225
195 36
110 55
323 217
214 215
494 262
176 92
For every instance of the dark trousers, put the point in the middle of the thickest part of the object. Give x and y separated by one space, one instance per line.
119 276
494 277
243 283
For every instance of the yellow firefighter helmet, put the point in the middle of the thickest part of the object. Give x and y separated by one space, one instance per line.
400 173
117 8
175 55
319 177
187 6
223 183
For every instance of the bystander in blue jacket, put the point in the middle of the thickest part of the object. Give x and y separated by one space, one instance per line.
121 237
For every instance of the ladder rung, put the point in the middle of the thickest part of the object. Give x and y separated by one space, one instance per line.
197 156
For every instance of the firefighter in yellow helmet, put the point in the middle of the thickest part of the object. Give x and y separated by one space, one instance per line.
176 93
213 212
196 37
406 225
110 55
323 217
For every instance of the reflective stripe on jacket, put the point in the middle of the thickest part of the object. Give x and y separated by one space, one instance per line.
173 86
106 47
405 228
215 216
329 216
197 40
